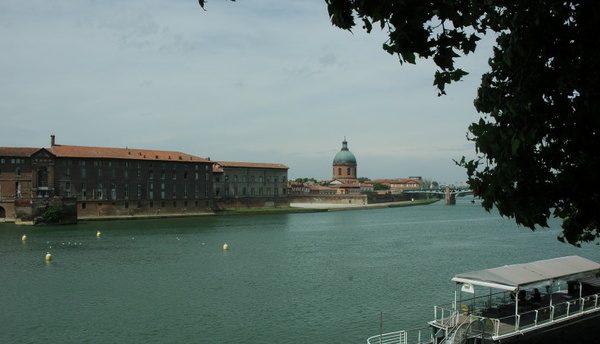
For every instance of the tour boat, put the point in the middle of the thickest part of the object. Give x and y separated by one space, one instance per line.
498 305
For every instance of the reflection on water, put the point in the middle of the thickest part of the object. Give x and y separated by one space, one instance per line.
297 278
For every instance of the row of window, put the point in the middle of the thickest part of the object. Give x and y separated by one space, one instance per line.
14 161
124 191
100 192
261 179
43 175
163 174
348 171
251 192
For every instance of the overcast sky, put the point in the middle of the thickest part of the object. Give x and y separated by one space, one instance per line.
258 81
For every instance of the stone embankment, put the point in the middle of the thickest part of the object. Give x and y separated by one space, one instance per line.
293 209
342 206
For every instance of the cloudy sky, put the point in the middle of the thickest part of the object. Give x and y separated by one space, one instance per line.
260 81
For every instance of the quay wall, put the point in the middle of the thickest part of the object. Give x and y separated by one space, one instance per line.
235 203
335 199
29 211
354 199
7 211
143 207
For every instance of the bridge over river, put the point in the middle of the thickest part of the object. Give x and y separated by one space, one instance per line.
450 192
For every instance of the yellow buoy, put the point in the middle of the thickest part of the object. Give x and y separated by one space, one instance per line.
48 257
24 237
98 234
225 247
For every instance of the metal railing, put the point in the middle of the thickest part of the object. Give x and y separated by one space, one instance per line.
545 316
446 318
413 336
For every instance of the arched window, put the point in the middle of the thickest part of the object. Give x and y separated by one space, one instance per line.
339 171
349 169
43 177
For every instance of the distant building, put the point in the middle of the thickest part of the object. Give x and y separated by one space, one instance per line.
344 165
250 185
298 188
345 187
398 185
99 182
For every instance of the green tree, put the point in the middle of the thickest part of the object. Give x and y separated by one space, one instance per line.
426 183
379 187
537 141
51 215
304 180
363 179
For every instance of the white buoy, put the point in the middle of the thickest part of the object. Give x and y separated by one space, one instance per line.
24 237
98 234
225 247
48 257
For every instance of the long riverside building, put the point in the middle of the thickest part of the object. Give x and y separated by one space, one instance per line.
250 185
103 182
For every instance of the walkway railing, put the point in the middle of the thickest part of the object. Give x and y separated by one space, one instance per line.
522 322
494 328
545 316
414 336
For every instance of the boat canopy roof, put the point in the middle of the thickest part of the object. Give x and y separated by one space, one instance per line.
514 277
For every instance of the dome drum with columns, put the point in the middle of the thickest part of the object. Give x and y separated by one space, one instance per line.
344 163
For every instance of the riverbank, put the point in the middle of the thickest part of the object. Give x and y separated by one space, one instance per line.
294 208
341 206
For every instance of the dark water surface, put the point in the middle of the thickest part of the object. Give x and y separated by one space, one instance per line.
289 278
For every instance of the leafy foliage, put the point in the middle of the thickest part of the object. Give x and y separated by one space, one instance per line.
304 180
51 215
379 187
425 183
538 139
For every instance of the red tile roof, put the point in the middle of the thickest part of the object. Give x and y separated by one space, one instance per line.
17 151
393 181
64 151
250 164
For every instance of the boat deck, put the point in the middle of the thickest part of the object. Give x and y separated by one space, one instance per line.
509 315
497 323
499 320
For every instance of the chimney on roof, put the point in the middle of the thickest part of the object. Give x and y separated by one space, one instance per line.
52 140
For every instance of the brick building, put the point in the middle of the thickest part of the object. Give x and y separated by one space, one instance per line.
100 181
103 181
250 185
398 185
344 165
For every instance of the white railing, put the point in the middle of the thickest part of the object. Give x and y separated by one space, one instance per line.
461 330
414 336
495 328
545 316
398 337
519 323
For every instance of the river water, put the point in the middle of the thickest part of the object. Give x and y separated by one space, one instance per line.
335 277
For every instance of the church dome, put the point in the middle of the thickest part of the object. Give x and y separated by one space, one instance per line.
344 156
